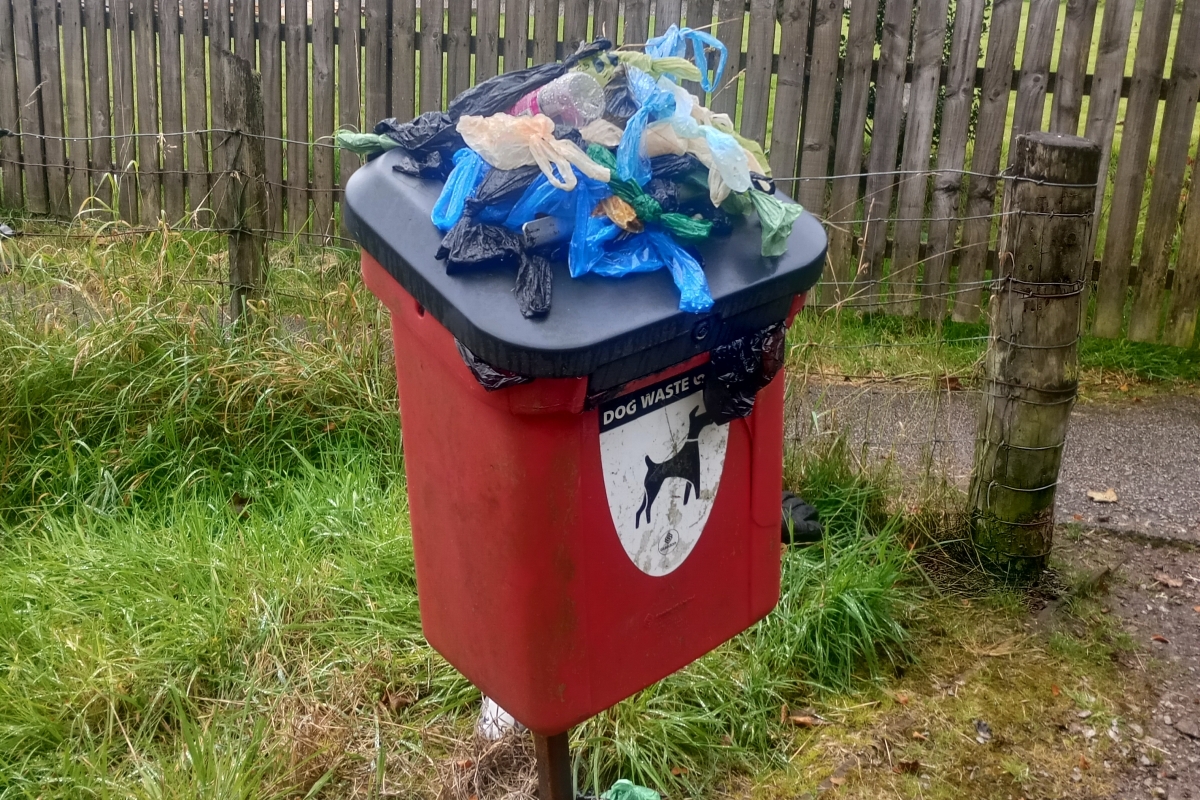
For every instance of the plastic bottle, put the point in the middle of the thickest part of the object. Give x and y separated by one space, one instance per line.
574 99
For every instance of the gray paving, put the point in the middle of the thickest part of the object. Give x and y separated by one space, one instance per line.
1148 451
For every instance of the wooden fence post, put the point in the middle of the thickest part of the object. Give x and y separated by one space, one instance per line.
240 192
1030 372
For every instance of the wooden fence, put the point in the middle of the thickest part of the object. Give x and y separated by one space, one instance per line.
891 117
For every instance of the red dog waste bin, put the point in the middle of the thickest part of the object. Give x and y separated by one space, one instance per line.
583 534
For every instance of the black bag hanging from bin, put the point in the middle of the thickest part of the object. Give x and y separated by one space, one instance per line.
471 245
503 91
739 370
489 377
433 130
431 165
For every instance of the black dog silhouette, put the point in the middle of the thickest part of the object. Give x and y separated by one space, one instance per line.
685 464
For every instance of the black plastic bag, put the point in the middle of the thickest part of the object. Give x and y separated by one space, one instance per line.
571 134
619 102
502 186
429 165
503 91
433 130
801 522
665 192
738 370
489 377
471 245
762 183
535 280
676 167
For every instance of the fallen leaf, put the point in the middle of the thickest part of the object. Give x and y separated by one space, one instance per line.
902 698
1124 387
1167 580
396 701
907 767
1196 609
1054 690
783 713
677 771
466 763
953 383
803 721
1077 517
920 737
837 780
331 427
1158 637
1109 495
1083 762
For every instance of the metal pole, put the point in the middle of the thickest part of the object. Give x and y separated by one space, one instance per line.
554 766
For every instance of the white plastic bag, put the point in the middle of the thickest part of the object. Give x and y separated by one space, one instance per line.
508 142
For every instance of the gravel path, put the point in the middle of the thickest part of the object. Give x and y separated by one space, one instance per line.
1147 450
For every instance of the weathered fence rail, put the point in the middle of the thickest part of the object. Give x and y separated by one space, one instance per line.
112 106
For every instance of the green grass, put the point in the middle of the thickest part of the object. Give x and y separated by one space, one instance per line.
206 575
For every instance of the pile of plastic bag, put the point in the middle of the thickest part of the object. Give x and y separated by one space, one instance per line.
622 168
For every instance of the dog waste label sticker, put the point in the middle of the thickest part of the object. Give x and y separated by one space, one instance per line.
662 459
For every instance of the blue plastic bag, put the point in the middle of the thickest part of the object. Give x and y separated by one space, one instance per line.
541 199
653 250
469 169
674 42
591 232
653 104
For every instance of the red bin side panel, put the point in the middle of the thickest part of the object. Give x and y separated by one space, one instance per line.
565 563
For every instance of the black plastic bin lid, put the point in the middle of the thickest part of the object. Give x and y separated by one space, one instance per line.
612 330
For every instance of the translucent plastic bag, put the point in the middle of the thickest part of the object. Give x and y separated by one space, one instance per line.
508 142
469 169
674 42
633 164
777 219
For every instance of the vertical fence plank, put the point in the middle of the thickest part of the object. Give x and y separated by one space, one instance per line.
172 110
432 22
700 17
666 14
271 73
885 141
218 42
96 33
1035 66
545 31
375 60
608 14
822 91
985 158
731 21
487 40
1170 164
930 37
952 150
322 116
51 95
637 21
10 147
1078 28
32 150
404 61
243 30
789 90
122 109
349 100
1185 291
1105 98
296 81
458 54
77 116
860 47
756 97
516 34
575 25
145 52
196 105
1136 141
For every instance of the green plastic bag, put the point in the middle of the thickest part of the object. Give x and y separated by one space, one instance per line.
627 790
777 218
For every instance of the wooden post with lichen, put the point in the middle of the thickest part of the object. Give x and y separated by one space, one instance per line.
240 190
1031 367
